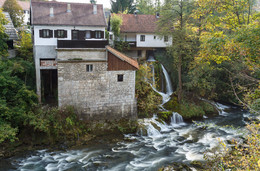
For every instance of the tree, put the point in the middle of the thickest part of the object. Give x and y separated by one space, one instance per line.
122 6
3 36
145 7
25 49
174 23
230 41
93 1
15 11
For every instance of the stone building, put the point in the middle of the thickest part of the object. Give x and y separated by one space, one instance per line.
74 64
101 84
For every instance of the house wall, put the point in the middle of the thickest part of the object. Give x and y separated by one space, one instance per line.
151 42
130 37
94 54
53 41
97 95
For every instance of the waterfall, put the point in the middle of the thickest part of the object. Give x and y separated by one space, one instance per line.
176 118
168 81
167 95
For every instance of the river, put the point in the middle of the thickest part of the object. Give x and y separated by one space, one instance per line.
176 142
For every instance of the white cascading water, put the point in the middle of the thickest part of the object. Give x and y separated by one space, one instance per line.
168 81
176 118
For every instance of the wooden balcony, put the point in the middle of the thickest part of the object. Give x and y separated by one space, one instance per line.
82 43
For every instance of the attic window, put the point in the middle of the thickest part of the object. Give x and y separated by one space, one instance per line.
120 78
60 33
45 33
89 67
98 35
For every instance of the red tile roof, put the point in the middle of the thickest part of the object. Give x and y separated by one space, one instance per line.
81 14
123 57
24 4
138 23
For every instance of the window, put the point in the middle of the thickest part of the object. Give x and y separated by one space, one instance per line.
139 53
89 67
60 33
125 37
98 35
142 38
165 38
154 37
75 35
120 78
45 33
88 35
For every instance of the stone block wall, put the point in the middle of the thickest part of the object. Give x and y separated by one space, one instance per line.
97 95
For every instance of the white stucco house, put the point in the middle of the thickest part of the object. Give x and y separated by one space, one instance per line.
140 32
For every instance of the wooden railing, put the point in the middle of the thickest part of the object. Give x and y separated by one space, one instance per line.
82 43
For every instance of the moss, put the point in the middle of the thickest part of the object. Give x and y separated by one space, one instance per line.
172 104
165 116
208 108
191 111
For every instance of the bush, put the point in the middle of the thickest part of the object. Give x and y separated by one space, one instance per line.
245 156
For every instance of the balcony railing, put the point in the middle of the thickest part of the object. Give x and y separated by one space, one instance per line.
132 43
82 43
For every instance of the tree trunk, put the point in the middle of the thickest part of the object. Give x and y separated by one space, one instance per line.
179 77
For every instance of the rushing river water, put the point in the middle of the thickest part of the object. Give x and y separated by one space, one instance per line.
167 143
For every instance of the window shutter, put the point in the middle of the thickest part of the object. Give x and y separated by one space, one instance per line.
41 33
93 34
55 33
51 33
82 35
65 34
102 35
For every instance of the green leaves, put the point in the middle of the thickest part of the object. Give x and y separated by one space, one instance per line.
15 11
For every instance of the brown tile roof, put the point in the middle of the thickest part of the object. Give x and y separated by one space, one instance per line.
24 4
81 14
138 23
123 57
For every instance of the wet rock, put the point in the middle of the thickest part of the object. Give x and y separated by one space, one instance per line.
165 116
156 126
197 164
176 167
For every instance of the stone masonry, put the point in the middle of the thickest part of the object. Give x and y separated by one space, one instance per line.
97 95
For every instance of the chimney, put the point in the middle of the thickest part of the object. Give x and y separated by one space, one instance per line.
68 8
94 9
51 12
157 15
